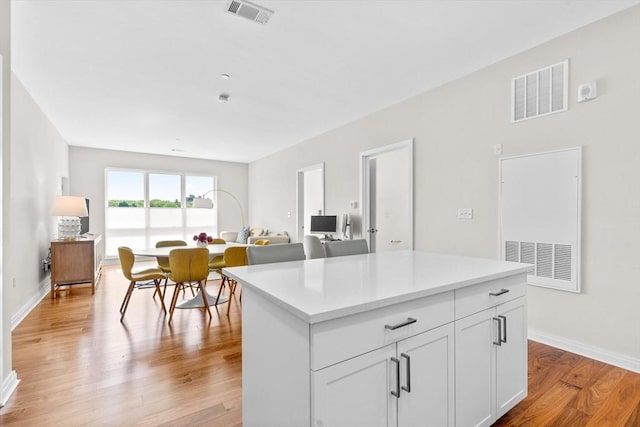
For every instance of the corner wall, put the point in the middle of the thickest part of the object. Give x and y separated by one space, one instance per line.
455 128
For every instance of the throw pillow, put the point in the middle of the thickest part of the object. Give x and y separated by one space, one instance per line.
242 235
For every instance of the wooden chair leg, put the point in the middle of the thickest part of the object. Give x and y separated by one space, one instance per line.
174 300
204 298
232 288
125 301
224 278
159 292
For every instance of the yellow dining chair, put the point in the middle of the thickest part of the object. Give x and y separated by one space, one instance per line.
261 242
163 261
127 259
234 256
216 260
189 265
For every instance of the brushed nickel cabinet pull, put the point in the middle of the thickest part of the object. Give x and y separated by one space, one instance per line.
499 342
504 329
396 392
407 387
409 321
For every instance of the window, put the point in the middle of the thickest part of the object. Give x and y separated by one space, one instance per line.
144 207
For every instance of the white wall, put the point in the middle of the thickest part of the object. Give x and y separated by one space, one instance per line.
87 172
6 372
39 159
455 128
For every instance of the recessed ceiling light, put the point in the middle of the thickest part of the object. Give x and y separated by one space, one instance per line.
178 150
225 76
223 98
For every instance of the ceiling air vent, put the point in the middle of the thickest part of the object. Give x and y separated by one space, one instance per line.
250 11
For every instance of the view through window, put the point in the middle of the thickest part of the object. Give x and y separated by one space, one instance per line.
144 207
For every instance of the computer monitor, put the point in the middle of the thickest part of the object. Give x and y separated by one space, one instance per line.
323 224
84 220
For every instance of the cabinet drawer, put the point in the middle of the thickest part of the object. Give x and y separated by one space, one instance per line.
339 339
475 298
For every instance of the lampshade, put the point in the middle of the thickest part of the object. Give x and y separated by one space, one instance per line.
69 206
202 203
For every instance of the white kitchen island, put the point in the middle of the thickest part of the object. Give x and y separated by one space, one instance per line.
387 339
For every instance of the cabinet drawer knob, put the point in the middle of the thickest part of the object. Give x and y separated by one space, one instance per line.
497 294
409 321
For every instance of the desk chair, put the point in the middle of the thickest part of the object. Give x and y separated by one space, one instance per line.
275 253
127 259
189 265
313 247
346 247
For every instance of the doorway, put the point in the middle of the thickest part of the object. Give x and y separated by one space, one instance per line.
310 194
387 197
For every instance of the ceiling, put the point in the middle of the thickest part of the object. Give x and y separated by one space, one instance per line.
145 75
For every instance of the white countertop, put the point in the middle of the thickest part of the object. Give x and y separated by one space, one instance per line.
327 288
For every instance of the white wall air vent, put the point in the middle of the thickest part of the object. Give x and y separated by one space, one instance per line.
250 11
541 92
540 216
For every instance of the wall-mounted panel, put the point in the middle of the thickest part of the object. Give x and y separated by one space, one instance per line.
540 216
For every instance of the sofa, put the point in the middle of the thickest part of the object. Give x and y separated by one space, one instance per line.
274 237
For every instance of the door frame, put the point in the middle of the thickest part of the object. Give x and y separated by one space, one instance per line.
365 199
300 196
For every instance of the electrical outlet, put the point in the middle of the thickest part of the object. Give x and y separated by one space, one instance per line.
465 213
497 149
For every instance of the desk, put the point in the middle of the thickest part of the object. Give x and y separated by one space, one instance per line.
346 335
214 250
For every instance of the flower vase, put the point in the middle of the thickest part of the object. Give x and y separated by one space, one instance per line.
201 244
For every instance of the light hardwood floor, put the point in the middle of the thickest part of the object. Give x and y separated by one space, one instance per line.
79 365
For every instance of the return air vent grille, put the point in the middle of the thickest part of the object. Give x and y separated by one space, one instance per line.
540 92
548 260
250 11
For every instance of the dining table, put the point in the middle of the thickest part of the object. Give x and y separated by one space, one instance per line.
214 250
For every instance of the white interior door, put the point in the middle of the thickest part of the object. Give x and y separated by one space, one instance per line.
310 182
387 197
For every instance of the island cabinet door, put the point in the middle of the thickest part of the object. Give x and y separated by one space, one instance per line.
491 363
475 370
356 392
511 355
427 379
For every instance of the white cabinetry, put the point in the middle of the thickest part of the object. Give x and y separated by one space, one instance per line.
491 357
335 342
405 384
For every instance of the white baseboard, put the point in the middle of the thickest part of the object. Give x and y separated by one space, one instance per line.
606 356
9 385
43 290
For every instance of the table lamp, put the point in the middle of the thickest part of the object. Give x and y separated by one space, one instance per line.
69 209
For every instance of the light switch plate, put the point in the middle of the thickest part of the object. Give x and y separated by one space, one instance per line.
465 213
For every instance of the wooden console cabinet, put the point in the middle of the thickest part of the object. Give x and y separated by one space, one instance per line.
76 262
